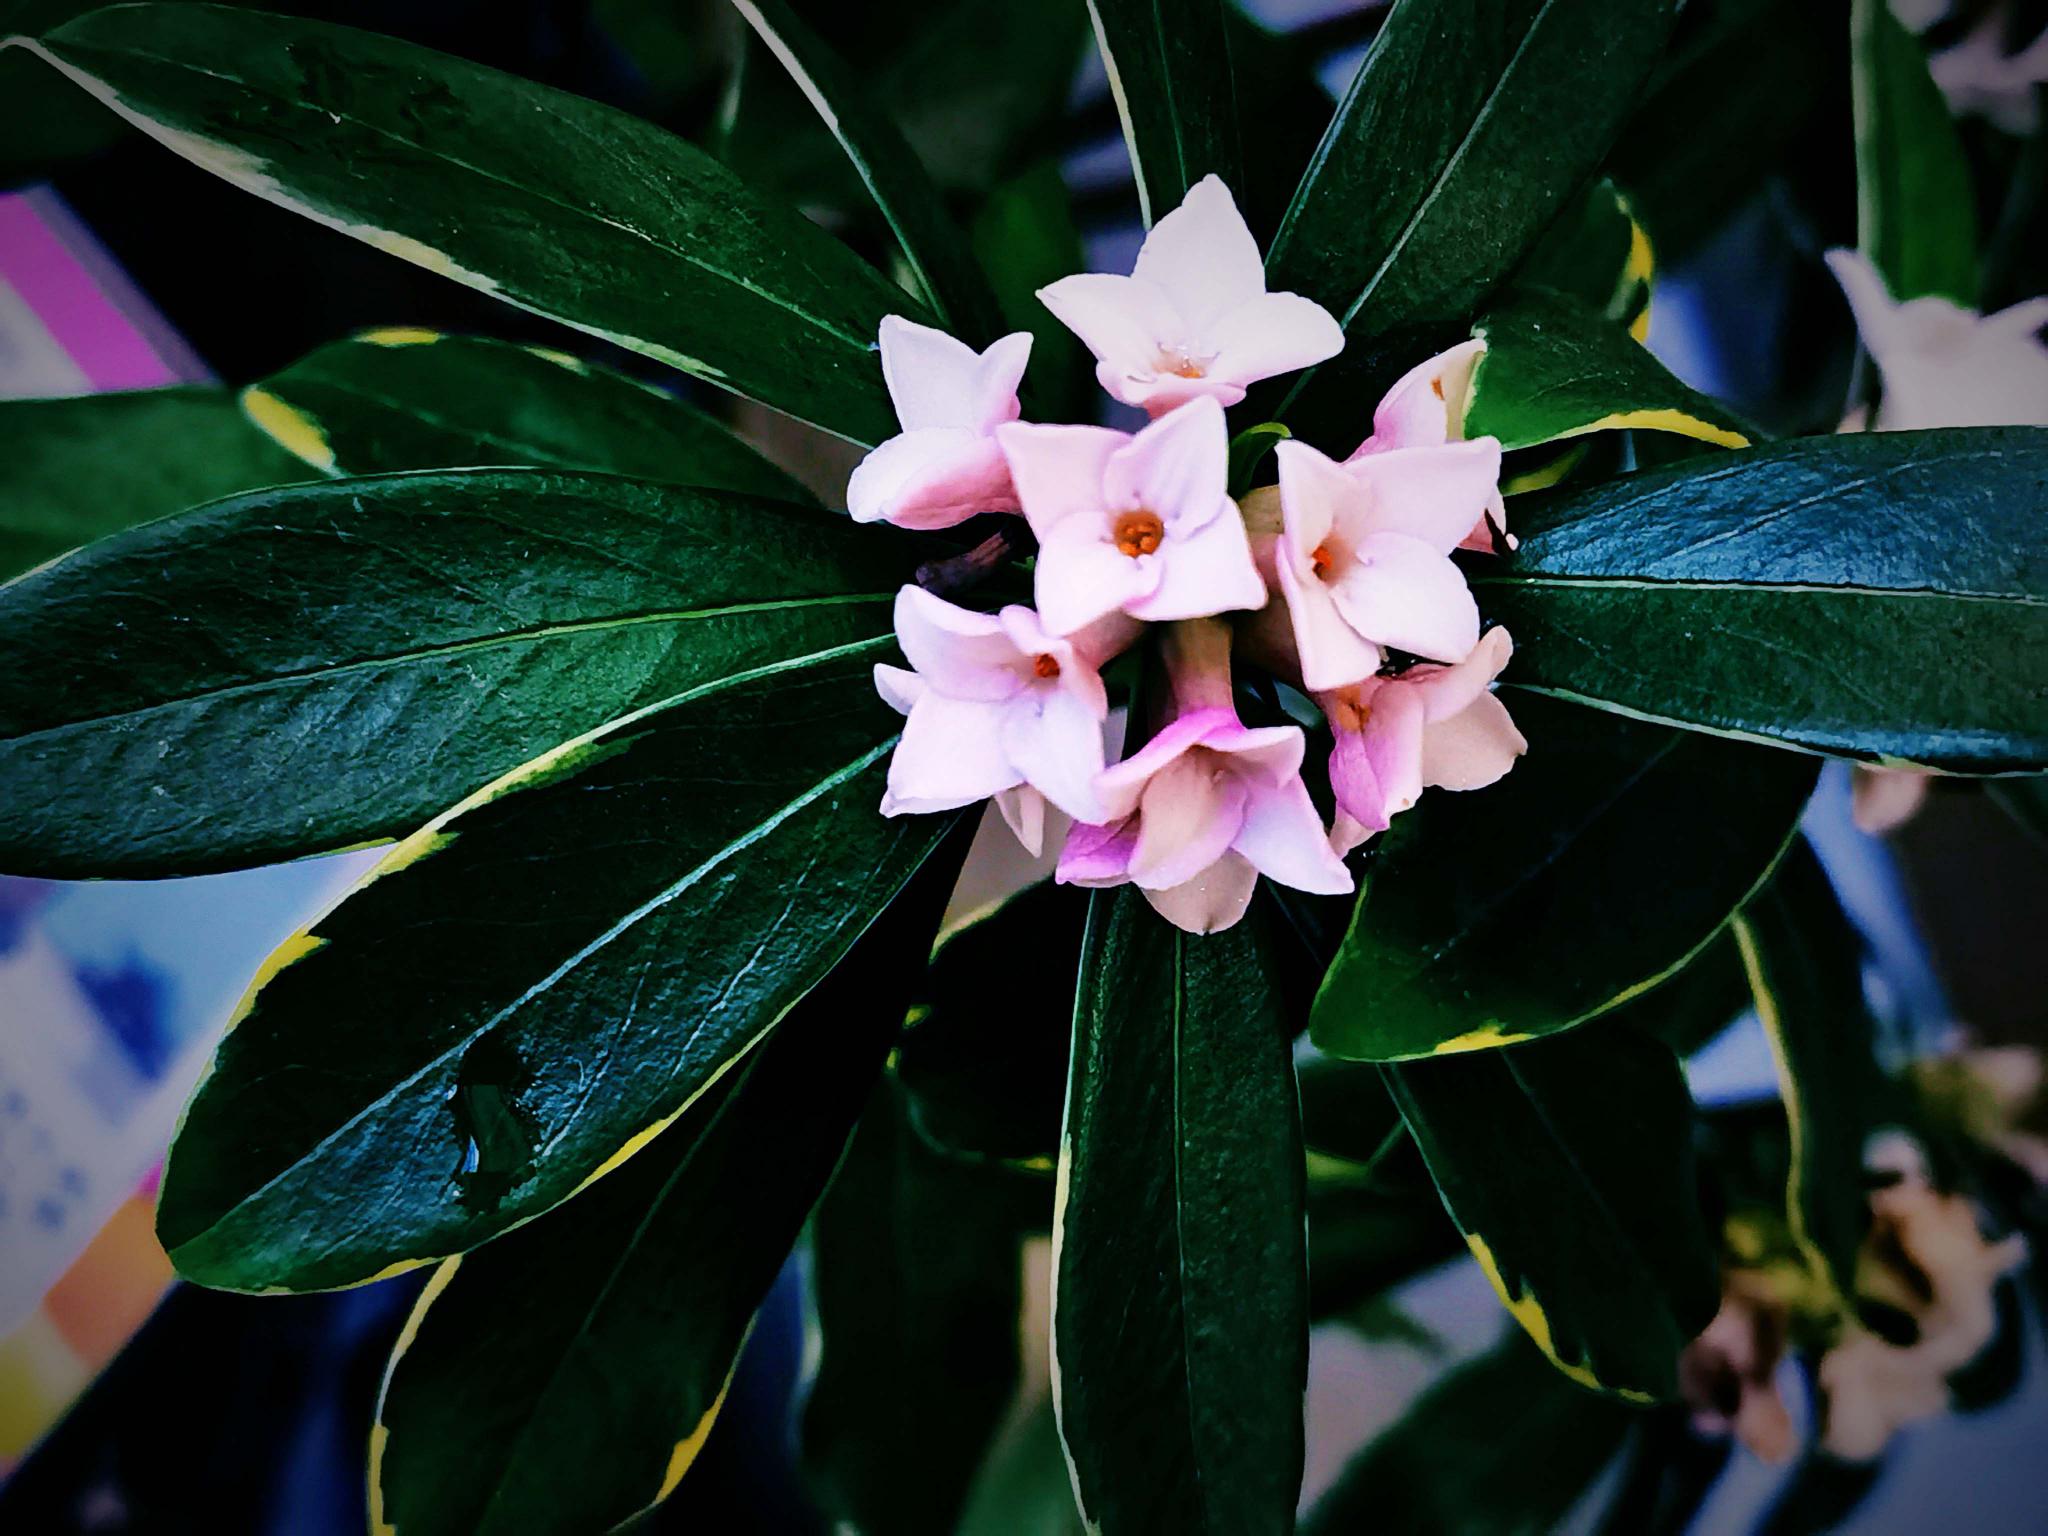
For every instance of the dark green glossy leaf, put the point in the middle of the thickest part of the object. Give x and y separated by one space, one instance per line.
1169 69
410 399
1805 969
602 220
1025 237
1248 451
916 1280
1598 252
565 1376
985 1061
1537 921
579 950
1915 214
300 670
1469 127
1824 594
1371 1227
78 469
1500 1447
1556 368
932 244
1180 1298
43 123
1568 1165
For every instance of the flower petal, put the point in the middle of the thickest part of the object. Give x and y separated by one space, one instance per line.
1081 576
1332 653
1448 691
936 380
1474 748
961 653
1189 816
1283 837
1204 572
1124 322
935 477
900 690
1098 854
1023 811
1178 468
1057 470
950 755
1270 334
1211 902
1426 406
1317 497
1437 495
1401 592
1202 257
1392 740
1122 785
1054 741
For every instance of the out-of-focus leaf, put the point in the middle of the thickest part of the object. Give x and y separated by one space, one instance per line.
1916 218
1026 239
1169 71
916 1283
78 469
1598 252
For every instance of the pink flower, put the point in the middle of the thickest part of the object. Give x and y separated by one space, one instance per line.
1140 525
1431 726
998 707
1205 807
1363 554
945 466
1426 409
1193 319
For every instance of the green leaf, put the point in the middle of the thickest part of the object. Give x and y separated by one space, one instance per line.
76 470
1690 1010
1499 1447
916 1282
1916 218
1568 1165
1469 127
576 952
413 399
1535 919
544 200
1598 252
1180 1299
1025 237
932 244
1805 969
1169 70
564 1377
1248 451
367 652
1556 368
985 1066
1823 594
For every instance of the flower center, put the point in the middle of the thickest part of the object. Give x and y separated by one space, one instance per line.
1181 363
1046 666
1322 560
1138 533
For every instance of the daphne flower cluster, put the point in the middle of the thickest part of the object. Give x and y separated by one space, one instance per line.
1319 579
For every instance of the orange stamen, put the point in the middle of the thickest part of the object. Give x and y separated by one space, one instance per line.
1322 560
1046 666
1138 533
